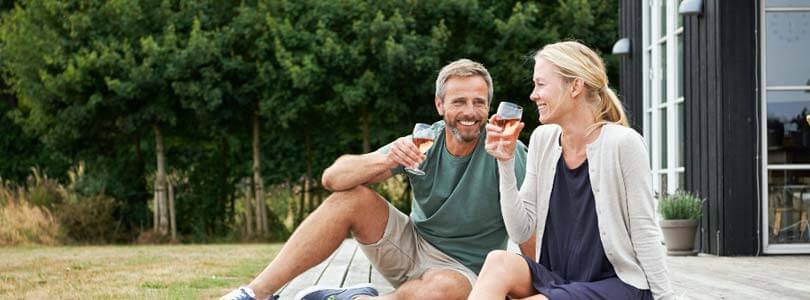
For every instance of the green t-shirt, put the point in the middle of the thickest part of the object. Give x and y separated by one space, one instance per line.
456 205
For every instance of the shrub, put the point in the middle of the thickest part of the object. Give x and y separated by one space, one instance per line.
22 223
43 191
89 219
149 237
681 206
46 212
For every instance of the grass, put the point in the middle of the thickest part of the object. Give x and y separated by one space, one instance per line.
130 272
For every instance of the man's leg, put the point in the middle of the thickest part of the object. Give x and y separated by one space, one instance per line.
360 211
434 284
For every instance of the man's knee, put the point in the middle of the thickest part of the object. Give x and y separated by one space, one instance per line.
365 211
445 284
352 200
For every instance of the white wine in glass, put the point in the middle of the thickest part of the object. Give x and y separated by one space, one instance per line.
423 139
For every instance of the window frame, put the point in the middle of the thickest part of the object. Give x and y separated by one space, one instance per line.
765 167
653 43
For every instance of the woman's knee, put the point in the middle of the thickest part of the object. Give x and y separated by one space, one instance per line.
508 271
500 260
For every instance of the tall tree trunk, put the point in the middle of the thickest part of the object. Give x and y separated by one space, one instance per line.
225 179
172 220
258 182
156 204
290 219
366 129
248 192
160 183
300 206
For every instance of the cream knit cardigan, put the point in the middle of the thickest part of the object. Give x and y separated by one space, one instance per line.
622 187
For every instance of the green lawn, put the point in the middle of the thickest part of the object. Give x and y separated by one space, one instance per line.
129 272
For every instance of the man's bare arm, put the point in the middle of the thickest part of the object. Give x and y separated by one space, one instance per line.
349 171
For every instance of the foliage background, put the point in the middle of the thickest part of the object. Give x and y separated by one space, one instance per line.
84 82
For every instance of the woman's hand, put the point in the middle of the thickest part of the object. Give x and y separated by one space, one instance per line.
501 141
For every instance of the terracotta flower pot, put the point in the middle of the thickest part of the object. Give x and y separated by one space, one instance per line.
679 236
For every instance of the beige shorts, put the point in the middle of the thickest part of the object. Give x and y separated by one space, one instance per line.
402 254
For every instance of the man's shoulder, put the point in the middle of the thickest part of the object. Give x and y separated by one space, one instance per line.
522 146
438 125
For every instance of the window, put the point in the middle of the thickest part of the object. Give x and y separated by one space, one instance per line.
786 127
663 93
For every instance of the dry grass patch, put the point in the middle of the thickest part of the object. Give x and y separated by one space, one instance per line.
24 224
130 272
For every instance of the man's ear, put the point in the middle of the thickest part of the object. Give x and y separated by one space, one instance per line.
439 105
577 87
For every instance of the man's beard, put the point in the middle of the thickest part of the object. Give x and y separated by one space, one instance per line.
461 137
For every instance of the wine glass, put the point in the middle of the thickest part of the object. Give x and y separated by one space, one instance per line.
509 115
423 139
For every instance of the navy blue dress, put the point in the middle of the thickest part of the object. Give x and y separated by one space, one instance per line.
572 262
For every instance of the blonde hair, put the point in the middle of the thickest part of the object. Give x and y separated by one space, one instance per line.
462 68
575 60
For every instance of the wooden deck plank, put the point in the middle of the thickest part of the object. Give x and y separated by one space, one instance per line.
693 278
380 283
336 271
359 270
307 279
711 277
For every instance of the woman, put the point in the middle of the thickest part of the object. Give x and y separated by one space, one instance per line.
587 194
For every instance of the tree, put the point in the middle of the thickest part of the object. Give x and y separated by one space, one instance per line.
92 75
232 72
272 91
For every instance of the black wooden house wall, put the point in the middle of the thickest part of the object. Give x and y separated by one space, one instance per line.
722 124
631 74
721 116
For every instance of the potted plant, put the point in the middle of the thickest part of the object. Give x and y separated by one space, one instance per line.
680 213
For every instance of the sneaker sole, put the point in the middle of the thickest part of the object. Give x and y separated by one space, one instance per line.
300 295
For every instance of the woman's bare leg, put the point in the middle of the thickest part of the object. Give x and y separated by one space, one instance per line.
504 273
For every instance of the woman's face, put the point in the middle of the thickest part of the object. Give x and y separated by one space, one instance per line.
550 92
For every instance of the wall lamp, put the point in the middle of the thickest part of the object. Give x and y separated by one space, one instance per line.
622 47
691 7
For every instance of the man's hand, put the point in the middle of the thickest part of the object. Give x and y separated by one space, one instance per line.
405 153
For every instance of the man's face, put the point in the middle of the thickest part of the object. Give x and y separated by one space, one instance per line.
464 107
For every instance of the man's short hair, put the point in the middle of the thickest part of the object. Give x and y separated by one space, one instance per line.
462 68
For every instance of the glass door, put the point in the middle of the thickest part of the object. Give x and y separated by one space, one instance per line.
786 129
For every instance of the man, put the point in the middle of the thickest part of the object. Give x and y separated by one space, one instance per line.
456 217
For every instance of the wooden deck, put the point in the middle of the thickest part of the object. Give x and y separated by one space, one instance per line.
785 277
693 277
346 267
